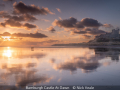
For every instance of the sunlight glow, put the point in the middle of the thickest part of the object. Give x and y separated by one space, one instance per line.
6 37
7 53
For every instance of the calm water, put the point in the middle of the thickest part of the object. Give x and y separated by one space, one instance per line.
59 66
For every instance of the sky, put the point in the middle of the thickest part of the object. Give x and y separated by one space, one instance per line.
38 23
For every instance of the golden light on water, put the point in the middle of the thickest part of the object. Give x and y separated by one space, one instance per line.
7 53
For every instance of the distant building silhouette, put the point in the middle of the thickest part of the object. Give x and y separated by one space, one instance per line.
108 52
113 35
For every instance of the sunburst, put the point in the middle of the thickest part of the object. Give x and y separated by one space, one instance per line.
6 37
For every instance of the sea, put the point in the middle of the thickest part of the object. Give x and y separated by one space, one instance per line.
66 66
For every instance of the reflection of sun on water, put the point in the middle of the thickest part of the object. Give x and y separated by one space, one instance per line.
7 53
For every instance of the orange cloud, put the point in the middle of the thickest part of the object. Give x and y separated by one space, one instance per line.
58 10
51 29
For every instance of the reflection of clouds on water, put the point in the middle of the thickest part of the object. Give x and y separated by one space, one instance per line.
31 65
83 63
22 66
89 62
108 52
59 80
106 63
52 61
30 77
14 70
23 74
12 88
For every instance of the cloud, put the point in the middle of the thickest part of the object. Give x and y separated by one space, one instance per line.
89 22
8 0
108 25
35 35
74 23
29 17
12 23
66 23
78 32
58 10
4 14
15 20
83 63
28 25
91 31
95 31
2 24
78 25
85 26
2 4
51 29
6 34
46 20
15 24
86 36
23 17
21 8
60 18
32 35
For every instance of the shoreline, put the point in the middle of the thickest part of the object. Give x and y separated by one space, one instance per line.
83 46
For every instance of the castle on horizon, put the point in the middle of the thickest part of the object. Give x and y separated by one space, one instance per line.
112 35
107 37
